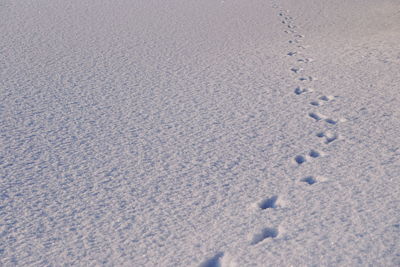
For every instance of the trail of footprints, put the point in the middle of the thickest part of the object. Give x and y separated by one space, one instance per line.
326 137
299 70
304 87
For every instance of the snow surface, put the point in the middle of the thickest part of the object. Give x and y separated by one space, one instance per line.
200 133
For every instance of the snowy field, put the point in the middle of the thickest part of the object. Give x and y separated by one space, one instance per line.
200 133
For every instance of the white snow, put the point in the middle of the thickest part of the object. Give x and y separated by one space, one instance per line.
200 133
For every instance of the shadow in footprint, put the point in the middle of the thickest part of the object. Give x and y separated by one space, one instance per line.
300 159
214 261
295 70
309 78
264 234
315 103
315 116
327 98
329 137
323 99
309 180
331 121
305 60
314 154
269 203
299 91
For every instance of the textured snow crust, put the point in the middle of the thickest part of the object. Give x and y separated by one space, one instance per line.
200 133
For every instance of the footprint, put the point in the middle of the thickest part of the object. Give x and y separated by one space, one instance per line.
291 53
329 137
296 70
327 98
264 234
315 116
300 159
303 46
268 203
289 31
322 100
214 261
314 154
331 121
290 26
299 91
310 180
309 78
305 60
299 36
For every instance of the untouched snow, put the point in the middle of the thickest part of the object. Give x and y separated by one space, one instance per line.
200 133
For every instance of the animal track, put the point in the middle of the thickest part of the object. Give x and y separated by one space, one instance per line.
289 31
327 98
314 154
305 60
329 137
296 70
315 103
317 117
303 46
264 234
299 90
313 179
309 78
322 100
309 180
331 121
214 261
269 203
300 159
297 44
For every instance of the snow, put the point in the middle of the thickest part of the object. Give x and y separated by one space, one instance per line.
200 133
